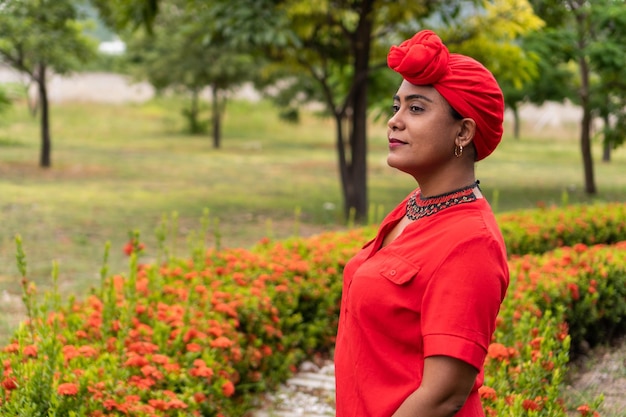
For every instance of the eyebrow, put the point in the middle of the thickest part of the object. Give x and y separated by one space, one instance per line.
413 97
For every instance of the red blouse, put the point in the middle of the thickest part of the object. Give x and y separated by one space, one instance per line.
435 290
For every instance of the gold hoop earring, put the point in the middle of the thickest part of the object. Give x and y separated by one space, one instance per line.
458 150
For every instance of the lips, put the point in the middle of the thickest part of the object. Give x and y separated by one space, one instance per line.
396 142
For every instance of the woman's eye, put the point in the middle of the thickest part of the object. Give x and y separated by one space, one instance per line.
416 109
395 108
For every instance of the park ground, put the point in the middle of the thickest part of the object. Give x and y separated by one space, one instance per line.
600 371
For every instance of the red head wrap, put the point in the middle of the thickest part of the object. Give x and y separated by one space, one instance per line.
465 83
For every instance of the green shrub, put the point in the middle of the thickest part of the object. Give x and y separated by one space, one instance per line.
541 230
202 336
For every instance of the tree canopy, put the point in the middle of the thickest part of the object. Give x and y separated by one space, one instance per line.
589 36
42 36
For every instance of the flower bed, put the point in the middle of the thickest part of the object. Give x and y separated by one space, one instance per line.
202 336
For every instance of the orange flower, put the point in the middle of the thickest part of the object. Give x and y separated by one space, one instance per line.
202 371
143 348
160 359
68 388
30 350
69 352
176 403
266 350
158 404
498 351
193 334
222 342
487 393
585 411
88 351
228 388
12 348
136 360
193 347
151 371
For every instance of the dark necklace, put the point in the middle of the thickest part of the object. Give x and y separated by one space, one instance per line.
418 206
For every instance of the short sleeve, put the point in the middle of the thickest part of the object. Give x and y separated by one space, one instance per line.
462 300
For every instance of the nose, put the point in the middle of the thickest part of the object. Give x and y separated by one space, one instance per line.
394 122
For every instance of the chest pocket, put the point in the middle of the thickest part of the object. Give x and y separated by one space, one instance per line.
398 270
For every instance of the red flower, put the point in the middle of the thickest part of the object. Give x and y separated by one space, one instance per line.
9 384
143 348
487 393
136 360
30 350
498 351
12 348
193 347
228 388
69 352
68 388
199 397
133 246
585 411
88 351
222 342
530 405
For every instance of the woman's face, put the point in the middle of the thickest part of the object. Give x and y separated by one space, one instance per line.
421 131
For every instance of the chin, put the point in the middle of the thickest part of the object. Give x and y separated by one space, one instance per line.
394 163
403 167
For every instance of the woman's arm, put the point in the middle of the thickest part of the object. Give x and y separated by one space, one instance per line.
445 386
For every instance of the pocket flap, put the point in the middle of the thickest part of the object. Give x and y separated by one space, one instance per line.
398 270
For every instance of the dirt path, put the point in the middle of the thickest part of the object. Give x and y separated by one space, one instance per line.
601 372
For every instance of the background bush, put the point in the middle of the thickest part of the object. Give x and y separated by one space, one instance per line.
203 335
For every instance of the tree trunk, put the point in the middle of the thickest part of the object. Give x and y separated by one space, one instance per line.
46 143
217 118
606 147
585 131
516 121
194 125
343 163
355 191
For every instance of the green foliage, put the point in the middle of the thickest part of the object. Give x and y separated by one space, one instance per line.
588 36
5 102
119 14
43 32
41 37
492 37
181 52
540 230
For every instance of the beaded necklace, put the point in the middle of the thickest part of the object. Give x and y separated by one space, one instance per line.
416 208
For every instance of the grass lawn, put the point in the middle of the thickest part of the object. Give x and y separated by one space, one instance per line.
118 168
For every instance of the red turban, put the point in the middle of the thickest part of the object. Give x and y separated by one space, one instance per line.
465 83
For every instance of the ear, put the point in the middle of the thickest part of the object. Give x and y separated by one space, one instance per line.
467 130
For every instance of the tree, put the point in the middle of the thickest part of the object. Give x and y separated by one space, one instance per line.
593 37
330 53
342 45
607 58
38 37
176 54
553 80
494 37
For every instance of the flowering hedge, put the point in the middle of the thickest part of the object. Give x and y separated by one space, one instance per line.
202 336
541 230
558 299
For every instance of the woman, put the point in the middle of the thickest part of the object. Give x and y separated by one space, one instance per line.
420 300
